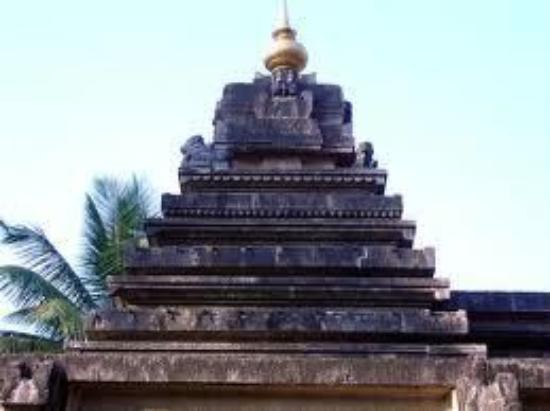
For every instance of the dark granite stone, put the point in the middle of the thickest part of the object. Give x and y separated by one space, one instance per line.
283 267
508 322
277 324
290 259
287 205
204 229
500 302
196 154
250 119
282 261
158 290
368 180
481 384
266 369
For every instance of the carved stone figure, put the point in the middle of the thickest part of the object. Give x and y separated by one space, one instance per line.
26 391
366 156
299 106
284 83
196 153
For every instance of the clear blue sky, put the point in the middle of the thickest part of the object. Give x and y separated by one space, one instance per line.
455 95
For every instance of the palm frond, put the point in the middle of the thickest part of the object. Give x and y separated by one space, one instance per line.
95 257
24 287
54 319
39 255
50 296
58 313
115 212
119 202
42 307
28 319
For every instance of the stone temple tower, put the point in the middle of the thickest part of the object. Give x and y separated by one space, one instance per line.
283 276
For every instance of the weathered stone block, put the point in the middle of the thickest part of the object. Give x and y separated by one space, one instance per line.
282 205
284 259
291 290
290 324
369 180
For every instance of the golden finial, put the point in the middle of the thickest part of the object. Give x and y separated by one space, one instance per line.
285 52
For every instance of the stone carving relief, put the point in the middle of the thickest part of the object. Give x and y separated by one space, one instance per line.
196 153
273 107
500 394
365 158
285 101
284 83
35 385
25 391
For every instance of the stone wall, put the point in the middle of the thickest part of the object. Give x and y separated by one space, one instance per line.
162 382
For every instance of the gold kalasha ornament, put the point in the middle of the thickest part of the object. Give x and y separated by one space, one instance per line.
285 52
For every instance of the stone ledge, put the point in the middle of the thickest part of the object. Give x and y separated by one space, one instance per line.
260 370
286 259
282 205
151 290
510 323
480 384
247 231
279 348
500 302
397 283
371 180
287 324
268 369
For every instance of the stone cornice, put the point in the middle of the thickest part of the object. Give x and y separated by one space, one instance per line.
371 180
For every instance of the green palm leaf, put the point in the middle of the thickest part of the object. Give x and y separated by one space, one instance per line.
43 308
115 211
24 287
28 318
50 296
54 319
39 255
96 249
59 315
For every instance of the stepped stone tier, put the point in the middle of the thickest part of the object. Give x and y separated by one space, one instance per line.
283 276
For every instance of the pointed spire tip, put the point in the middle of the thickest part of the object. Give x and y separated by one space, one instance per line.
284 20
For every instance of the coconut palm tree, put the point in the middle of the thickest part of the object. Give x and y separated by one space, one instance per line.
50 294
